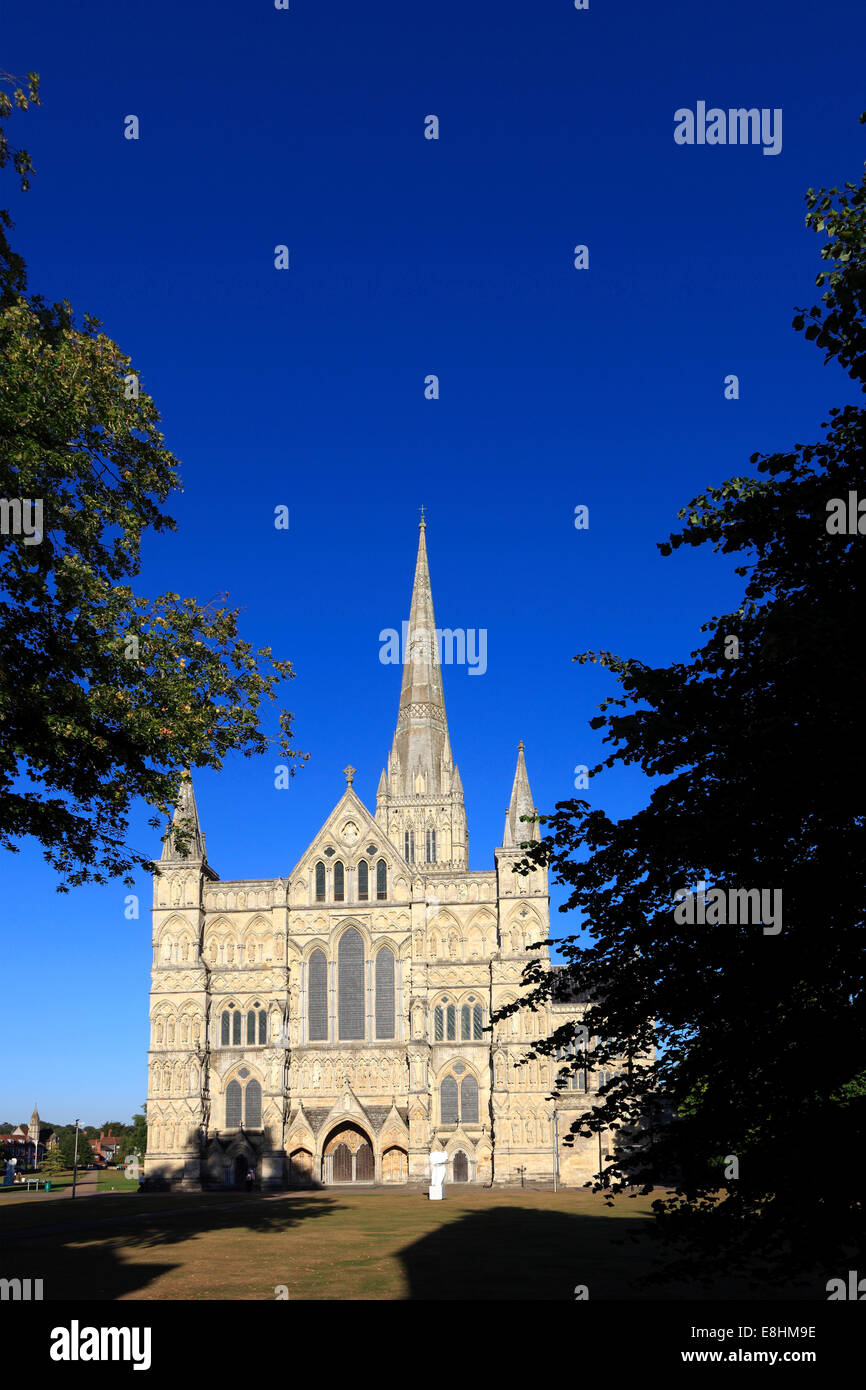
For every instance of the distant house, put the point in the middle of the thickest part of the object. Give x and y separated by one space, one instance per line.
105 1147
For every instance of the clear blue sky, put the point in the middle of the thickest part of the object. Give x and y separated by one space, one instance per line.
306 387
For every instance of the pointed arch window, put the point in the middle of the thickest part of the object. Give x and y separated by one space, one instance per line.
263 1027
438 1023
339 883
409 846
253 1105
233 1105
236 1028
381 879
385 993
363 881
251 1027
448 1101
320 883
317 998
225 1026
469 1101
431 846
350 967
451 1023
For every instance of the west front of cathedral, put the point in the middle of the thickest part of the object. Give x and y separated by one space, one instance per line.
333 1026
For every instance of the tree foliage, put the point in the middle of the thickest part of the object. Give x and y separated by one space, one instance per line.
758 763
106 695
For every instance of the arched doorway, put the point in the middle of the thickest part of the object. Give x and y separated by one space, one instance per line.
348 1156
395 1165
461 1167
300 1168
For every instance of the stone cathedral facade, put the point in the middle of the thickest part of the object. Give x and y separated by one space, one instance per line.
331 1025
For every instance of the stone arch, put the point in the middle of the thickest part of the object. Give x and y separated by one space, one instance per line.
348 1154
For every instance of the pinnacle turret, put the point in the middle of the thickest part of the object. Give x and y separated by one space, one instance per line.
516 831
185 819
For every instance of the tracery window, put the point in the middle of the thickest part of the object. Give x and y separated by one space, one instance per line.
458 1099
243 1104
317 998
381 879
431 846
350 967
320 883
339 882
409 846
363 881
385 1009
574 1081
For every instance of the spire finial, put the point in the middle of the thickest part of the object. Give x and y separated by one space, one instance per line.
422 524
350 774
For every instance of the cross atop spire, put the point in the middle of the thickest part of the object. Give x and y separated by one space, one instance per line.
422 523
350 774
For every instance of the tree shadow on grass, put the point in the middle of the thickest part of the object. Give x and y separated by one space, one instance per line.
87 1258
525 1253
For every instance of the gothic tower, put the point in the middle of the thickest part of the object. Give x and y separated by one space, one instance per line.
419 802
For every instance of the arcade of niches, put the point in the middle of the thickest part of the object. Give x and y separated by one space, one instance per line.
333 1026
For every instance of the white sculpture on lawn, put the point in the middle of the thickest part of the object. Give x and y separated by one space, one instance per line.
437 1164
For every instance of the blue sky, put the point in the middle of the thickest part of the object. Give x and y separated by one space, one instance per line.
305 387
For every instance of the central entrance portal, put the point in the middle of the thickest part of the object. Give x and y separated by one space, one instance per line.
348 1156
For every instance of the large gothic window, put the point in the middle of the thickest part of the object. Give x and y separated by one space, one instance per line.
381 879
317 997
363 881
339 882
448 1101
458 1102
469 1100
385 993
320 883
350 963
253 1106
233 1105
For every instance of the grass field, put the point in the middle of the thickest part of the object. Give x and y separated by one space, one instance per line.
341 1244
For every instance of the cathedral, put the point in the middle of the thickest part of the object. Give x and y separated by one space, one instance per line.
332 1025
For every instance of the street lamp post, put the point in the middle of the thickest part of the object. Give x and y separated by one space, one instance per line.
75 1159
555 1118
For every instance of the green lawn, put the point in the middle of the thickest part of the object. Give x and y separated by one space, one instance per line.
112 1180
343 1244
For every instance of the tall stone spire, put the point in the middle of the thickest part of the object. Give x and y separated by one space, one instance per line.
186 819
34 1125
520 805
421 753
421 791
